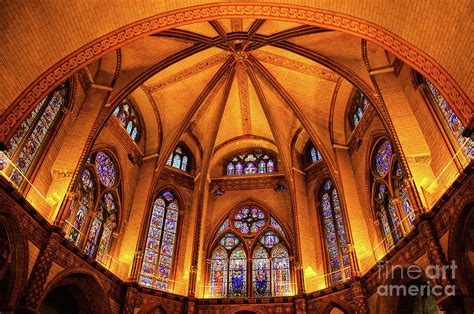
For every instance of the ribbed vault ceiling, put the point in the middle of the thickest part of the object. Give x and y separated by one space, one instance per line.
238 85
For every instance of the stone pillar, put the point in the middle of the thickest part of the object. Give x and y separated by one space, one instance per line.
448 303
300 305
36 283
360 300
191 305
131 296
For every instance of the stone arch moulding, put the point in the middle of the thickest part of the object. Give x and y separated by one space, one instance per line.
389 41
334 302
84 279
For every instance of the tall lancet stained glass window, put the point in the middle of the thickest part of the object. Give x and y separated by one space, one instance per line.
263 243
335 233
128 119
388 181
24 147
454 124
160 242
93 212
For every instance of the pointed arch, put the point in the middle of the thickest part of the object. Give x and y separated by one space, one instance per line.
95 212
336 235
389 198
265 247
160 241
181 158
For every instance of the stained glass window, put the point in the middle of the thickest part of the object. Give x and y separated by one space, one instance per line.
280 271
335 233
238 273
358 106
128 119
454 124
383 158
179 159
250 163
98 178
249 220
269 272
314 154
105 169
160 242
219 264
224 226
25 144
261 272
388 182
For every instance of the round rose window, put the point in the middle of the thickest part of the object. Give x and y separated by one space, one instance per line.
249 220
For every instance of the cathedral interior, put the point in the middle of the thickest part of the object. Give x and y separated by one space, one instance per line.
236 157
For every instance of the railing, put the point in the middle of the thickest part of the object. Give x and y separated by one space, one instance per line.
328 280
11 172
433 192
173 286
383 247
107 261
207 294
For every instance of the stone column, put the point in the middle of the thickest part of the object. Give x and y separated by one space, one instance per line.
360 300
131 296
36 283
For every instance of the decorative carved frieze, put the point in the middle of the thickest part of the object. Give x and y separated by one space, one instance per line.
247 182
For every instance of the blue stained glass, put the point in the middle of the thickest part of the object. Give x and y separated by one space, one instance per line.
238 168
327 185
93 235
456 126
250 169
229 241
269 239
360 112
314 156
386 230
170 160
184 164
116 110
105 169
261 273
129 127
276 225
86 179
219 264
134 133
237 273
230 169
280 271
356 120
224 226
270 166
177 161
406 203
330 233
383 158
261 167
395 221
159 254
168 195
249 220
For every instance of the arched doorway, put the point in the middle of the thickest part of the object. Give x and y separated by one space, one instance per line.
461 250
74 293
13 262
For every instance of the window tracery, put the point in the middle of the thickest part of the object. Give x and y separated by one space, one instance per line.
24 147
250 163
310 155
93 212
358 106
335 233
128 119
180 159
250 256
389 194
454 125
160 244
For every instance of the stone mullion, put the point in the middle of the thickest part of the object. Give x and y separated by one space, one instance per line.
37 281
